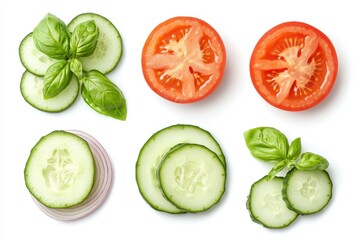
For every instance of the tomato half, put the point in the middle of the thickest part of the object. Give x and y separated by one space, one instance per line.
294 66
183 59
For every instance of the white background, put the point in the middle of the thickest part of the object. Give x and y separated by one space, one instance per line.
331 129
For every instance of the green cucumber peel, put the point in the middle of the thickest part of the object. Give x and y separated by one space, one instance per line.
270 145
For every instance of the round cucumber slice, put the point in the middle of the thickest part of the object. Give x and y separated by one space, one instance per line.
31 88
307 192
109 46
192 177
266 206
60 170
33 59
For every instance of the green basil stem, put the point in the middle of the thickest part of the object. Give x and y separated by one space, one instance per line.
277 168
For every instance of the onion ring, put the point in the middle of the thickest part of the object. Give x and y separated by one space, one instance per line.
101 188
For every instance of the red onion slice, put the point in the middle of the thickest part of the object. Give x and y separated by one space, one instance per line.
100 190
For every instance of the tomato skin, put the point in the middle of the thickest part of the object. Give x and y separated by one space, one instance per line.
183 59
294 66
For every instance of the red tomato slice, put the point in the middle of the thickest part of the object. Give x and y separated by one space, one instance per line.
294 66
183 59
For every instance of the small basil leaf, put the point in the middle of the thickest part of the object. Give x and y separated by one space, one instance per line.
277 168
52 37
76 68
310 161
102 95
294 149
56 79
84 39
266 143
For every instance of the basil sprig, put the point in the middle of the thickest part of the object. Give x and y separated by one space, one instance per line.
53 38
270 145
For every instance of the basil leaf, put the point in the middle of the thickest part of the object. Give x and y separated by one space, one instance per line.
310 161
266 143
295 149
56 79
76 68
102 95
277 168
84 39
52 37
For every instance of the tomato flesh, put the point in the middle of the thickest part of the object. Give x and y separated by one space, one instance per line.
294 66
183 59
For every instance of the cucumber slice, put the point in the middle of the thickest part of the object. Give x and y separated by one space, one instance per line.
155 149
266 205
192 177
307 192
60 170
108 50
33 59
31 88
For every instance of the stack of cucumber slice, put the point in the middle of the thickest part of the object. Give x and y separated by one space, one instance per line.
69 174
181 169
